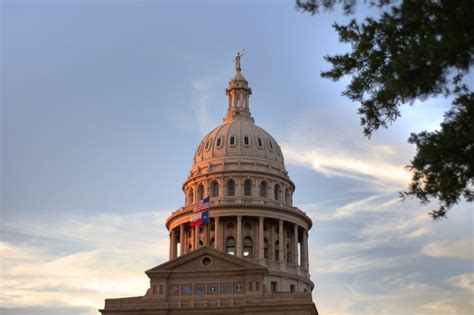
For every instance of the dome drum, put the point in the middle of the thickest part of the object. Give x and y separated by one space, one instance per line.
259 188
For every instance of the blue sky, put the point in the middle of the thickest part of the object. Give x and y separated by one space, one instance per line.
103 104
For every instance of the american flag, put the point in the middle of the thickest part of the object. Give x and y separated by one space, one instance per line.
203 204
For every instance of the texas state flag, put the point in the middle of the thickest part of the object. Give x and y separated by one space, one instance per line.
201 218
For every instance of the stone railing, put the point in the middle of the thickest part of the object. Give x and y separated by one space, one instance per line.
206 301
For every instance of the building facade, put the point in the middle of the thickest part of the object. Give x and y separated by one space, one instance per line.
252 256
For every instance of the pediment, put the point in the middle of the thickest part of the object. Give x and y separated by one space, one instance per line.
205 259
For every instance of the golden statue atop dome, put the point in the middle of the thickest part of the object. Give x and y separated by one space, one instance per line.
237 60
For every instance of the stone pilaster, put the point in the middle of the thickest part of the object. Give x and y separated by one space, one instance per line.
281 247
261 244
239 236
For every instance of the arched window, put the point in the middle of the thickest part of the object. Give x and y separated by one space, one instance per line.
276 192
247 187
231 188
230 245
200 192
214 189
277 251
191 196
287 196
248 247
266 254
263 189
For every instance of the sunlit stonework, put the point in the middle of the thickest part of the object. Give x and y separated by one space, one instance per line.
252 257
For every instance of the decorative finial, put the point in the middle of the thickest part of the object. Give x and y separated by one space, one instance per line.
237 60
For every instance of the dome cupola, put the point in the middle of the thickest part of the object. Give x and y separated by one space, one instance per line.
238 93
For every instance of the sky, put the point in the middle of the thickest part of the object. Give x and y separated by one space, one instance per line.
103 104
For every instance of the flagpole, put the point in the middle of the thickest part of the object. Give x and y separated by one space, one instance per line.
209 226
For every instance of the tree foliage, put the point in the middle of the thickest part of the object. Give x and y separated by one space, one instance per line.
414 50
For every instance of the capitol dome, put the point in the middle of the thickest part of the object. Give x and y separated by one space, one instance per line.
239 177
239 140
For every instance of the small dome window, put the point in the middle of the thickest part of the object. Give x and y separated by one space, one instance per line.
259 142
208 142
199 148
219 142
246 140
270 145
232 140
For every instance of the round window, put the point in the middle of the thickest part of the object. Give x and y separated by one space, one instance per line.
206 261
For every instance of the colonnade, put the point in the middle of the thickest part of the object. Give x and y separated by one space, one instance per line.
288 245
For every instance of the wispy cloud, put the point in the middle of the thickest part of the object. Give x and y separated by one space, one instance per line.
457 249
343 164
114 251
203 87
464 281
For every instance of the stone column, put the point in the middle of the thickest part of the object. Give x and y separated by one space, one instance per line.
172 244
217 234
261 243
239 236
181 240
304 249
196 237
280 244
295 244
